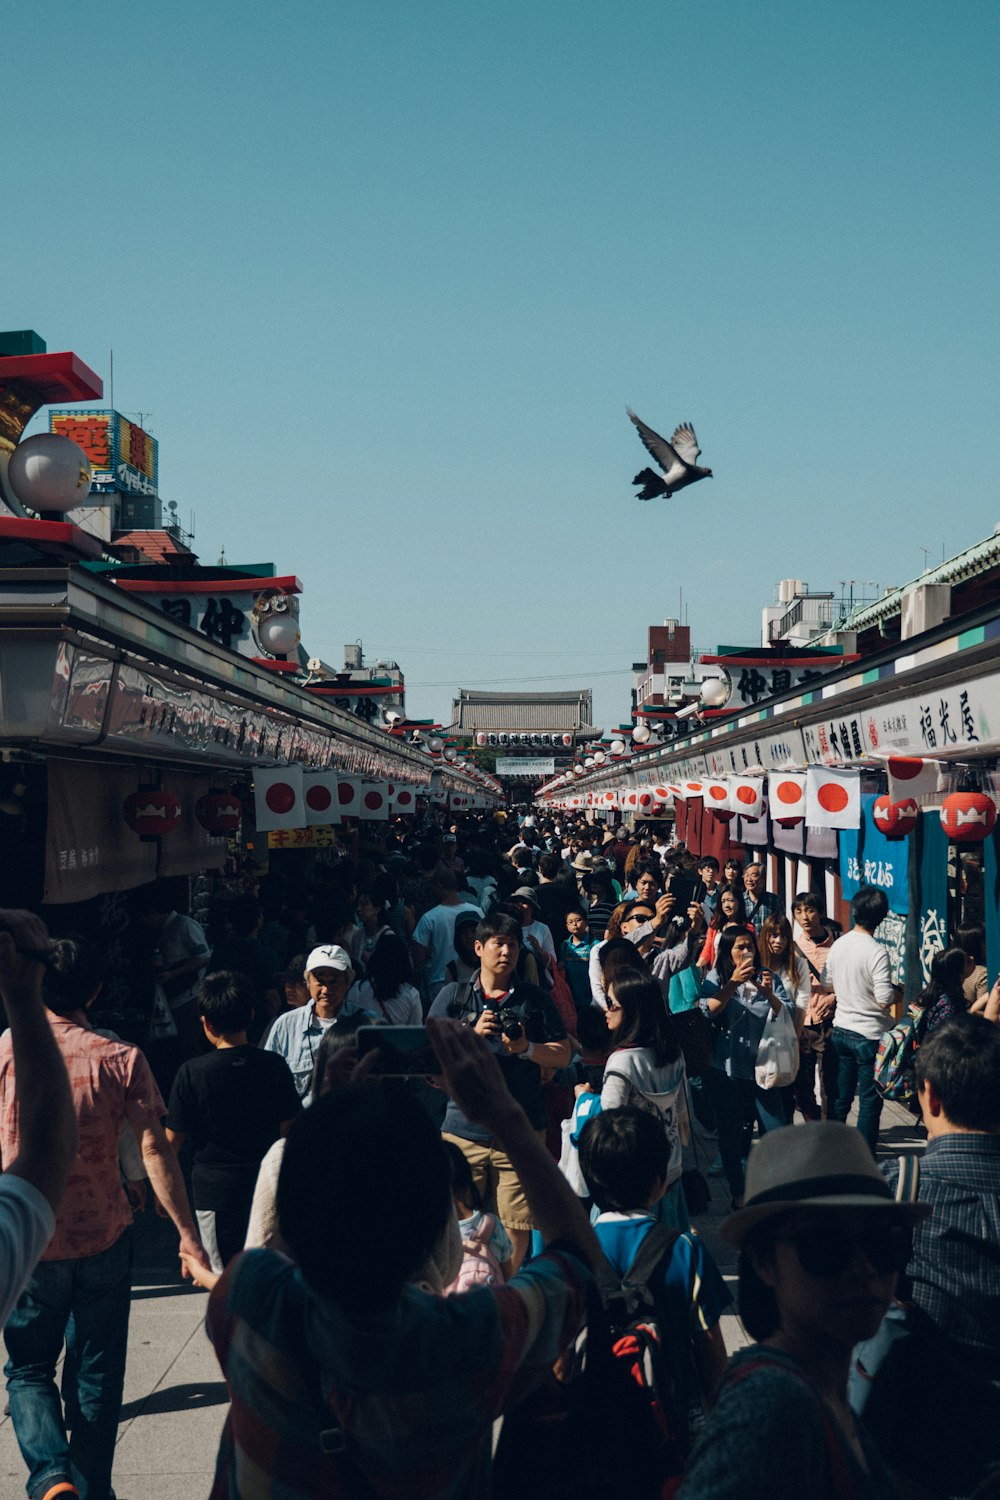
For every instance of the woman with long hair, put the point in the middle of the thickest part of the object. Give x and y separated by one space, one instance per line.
730 908
971 938
944 996
738 996
387 990
790 970
645 1069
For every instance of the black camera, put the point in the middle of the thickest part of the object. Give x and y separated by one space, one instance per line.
510 1023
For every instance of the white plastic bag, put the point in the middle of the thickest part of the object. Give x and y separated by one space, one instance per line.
778 1054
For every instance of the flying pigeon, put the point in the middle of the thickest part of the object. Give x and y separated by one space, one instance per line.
677 459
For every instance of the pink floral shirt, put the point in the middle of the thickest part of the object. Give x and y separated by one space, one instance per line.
111 1083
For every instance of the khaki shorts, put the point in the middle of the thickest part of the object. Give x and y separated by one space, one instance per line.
496 1180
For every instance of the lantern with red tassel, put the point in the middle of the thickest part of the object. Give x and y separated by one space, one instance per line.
895 819
151 812
219 813
968 817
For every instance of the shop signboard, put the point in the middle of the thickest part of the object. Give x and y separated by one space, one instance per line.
122 454
534 765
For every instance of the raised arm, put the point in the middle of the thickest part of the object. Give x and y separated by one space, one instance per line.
48 1137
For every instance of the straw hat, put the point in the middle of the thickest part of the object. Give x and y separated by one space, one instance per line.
821 1164
584 862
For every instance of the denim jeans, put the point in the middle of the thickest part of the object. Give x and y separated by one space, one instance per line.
736 1101
855 1056
85 1302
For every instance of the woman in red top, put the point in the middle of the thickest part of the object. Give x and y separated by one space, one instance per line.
730 908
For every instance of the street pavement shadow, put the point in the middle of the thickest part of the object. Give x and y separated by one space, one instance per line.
185 1397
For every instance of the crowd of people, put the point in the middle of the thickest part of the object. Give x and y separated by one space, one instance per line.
399 1257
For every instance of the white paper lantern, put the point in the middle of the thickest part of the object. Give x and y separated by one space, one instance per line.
617 747
49 472
642 734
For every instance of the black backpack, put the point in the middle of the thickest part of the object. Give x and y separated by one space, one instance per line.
616 1416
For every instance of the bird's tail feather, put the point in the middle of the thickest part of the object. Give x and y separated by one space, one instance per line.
652 484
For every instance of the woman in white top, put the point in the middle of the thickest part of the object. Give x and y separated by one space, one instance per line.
645 1070
779 954
387 992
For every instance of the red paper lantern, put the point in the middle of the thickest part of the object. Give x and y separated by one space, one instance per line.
895 819
219 813
151 812
968 817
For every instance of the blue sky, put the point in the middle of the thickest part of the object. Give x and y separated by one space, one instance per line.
386 273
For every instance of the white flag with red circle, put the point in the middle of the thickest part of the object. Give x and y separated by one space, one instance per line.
833 798
644 800
746 796
786 791
402 799
278 799
374 801
692 789
319 793
911 776
715 794
348 795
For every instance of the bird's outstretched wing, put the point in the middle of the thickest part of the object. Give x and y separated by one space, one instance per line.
666 456
686 443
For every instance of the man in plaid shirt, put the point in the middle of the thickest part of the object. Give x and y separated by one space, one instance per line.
346 1379
933 1373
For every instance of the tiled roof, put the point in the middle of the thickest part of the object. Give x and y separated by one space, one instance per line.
524 711
152 546
966 565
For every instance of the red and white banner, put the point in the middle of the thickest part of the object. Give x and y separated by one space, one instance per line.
278 799
786 793
716 795
322 803
910 776
402 799
374 802
746 796
833 798
349 795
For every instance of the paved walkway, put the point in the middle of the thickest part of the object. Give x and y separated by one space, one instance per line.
174 1398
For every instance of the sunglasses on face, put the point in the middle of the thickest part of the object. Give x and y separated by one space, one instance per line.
829 1252
613 1006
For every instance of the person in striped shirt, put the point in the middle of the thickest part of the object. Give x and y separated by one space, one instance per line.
346 1379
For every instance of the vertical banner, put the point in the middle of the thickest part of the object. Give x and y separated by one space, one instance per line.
374 803
349 795
278 798
933 893
322 803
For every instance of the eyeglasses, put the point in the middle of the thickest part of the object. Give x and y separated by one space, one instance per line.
613 1006
828 1252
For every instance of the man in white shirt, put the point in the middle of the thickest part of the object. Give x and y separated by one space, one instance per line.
858 972
434 935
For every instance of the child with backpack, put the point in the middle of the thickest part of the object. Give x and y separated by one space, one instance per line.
623 1408
486 1247
625 1160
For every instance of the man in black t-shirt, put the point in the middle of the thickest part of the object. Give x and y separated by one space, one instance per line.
232 1105
523 1028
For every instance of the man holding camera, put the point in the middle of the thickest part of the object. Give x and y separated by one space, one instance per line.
523 1029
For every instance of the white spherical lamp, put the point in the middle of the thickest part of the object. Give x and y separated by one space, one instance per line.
642 734
450 753
49 473
600 756
279 634
617 747
714 692
435 745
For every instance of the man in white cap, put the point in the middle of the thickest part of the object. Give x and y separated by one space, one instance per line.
296 1035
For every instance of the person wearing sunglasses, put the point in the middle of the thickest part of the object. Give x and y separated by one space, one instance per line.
821 1241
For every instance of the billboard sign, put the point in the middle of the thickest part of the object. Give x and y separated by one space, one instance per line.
122 455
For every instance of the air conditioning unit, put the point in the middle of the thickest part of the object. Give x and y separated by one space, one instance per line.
923 607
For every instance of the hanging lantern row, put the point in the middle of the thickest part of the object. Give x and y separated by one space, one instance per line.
153 812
